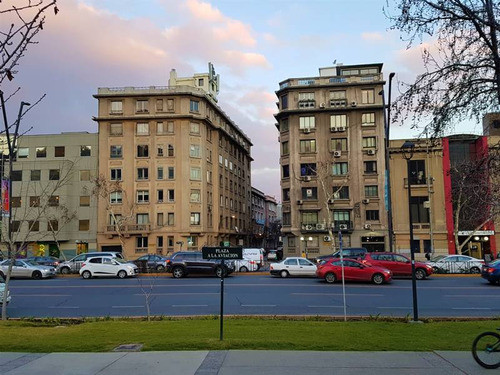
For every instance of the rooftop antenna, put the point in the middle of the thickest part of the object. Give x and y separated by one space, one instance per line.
334 61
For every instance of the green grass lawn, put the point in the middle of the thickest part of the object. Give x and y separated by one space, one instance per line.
240 333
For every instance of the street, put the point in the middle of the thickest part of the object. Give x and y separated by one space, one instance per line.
250 295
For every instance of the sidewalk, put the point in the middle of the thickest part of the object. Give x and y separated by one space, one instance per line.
241 362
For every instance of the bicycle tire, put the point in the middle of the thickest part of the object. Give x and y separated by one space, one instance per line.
484 357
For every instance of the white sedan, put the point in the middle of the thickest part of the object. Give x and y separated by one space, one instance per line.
293 266
456 264
107 267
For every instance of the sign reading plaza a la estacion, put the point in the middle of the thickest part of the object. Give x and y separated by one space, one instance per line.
226 253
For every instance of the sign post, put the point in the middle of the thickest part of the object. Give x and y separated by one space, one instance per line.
222 253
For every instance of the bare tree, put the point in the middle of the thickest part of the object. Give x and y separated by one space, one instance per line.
475 194
462 60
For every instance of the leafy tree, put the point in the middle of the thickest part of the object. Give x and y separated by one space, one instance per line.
462 60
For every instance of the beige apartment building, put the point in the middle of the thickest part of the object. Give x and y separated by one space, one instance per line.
175 169
54 212
332 160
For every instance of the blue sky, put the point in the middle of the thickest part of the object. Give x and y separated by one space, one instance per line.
253 45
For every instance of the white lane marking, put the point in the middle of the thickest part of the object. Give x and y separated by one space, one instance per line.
189 305
470 308
63 307
470 295
393 307
127 307
42 295
326 307
174 294
338 294
258 305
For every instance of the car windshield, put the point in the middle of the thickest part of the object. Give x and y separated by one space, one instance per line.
437 258
31 262
119 260
495 263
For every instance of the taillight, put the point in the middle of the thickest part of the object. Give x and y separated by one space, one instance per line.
83 265
272 267
490 270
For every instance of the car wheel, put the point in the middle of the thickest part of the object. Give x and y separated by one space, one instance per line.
243 269
420 274
160 268
122 274
330 278
65 270
378 278
37 275
284 274
475 270
178 272
220 272
86 274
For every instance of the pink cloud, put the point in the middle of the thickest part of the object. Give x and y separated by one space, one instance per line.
372 37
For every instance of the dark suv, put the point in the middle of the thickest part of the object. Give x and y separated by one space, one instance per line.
348 252
184 263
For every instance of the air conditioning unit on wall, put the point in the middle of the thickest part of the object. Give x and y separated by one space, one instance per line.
370 152
337 154
343 226
327 239
367 226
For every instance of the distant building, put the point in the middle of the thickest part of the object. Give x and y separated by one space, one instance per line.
180 167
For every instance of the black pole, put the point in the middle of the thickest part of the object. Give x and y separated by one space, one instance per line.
222 301
412 251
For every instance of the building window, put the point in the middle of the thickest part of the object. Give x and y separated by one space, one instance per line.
54 174
192 241
340 169
16 202
170 218
116 174
142 128
41 152
307 123
85 150
194 128
369 142
116 107
308 145
337 95
310 193
371 191
417 172
116 129
195 196
142 219
284 102
368 119
419 213
85 175
306 100
115 197
341 216
171 195
286 171
338 144
171 173
36 174
195 173
159 105
115 152
83 225
84 201
195 218
142 106
309 217
338 121
23 153
159 195
16 175
308 169
284 148
159 173
142 173
286 194
141 244
194 106
142 151
34 226
35 201
287 220
159 219
284 125
53 225
368 96
142 196
54 200
372 215
341 192
170 105
370 167
194 151
170 150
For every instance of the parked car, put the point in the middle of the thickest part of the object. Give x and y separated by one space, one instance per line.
253 260
348 252
184 263
105 266
491 272
398 264
46 261
354 270
151 263
456 264
73 265
293 266
26 268
2 291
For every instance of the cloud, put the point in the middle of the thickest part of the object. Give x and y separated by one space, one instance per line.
372 37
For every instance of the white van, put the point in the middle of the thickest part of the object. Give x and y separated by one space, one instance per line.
253 260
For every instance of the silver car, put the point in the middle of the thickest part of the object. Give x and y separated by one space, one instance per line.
27 268
2 291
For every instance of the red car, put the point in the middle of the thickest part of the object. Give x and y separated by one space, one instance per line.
398 264
331 271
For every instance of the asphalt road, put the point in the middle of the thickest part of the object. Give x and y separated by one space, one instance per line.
250 295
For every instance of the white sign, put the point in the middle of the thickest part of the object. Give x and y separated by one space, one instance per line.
476 233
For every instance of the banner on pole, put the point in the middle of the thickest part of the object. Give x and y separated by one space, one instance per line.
5 186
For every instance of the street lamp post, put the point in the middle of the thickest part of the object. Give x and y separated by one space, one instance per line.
408 149
305 244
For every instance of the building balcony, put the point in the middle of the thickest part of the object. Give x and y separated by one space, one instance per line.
342 226
419 182
128 229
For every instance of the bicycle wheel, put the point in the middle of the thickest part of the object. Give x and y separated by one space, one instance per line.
486 350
